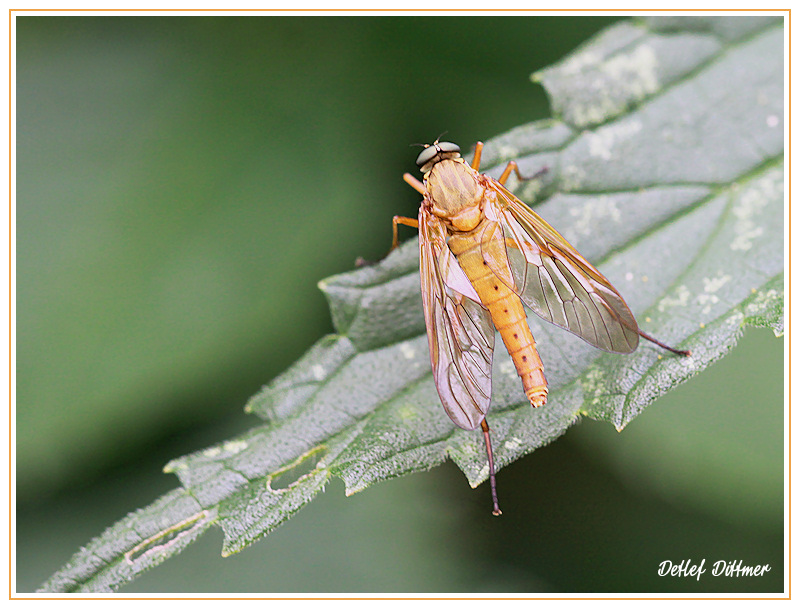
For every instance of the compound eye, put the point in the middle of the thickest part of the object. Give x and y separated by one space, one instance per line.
448 147
436 149
426 155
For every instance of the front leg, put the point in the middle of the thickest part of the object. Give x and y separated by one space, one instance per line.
415 184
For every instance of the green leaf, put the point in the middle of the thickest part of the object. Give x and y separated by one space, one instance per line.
665 168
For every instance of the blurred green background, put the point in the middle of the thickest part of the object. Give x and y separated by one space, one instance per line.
183 183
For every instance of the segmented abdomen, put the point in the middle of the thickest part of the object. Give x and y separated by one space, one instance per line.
506 310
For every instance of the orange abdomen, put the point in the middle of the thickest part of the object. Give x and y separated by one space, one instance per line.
506 310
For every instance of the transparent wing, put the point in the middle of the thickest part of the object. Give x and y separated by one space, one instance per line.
551 277
460 330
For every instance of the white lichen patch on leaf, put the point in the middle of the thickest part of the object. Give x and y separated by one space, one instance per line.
508 369
594 212
603 141
577 63
482 474
512 444
213 451
407 351
174 466
710 285
593 385
572 176
637 71
407 411
749 206
530 191
234 446
763 301
618 81
508 152
745 235
707 301
736 318
681 299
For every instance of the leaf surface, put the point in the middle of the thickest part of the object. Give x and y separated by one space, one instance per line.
665 169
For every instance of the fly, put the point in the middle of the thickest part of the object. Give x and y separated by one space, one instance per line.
483 255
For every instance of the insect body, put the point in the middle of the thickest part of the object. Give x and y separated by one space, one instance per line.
483 254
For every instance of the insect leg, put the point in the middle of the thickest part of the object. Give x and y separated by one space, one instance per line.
361 263
415 184
476 157
512 166
492 483
404 221
663 346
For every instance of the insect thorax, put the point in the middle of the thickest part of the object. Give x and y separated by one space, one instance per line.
456 193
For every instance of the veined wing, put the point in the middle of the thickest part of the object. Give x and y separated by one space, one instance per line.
552 278
460 330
